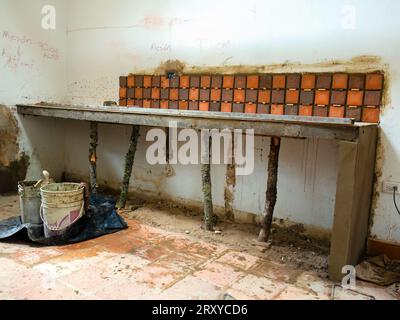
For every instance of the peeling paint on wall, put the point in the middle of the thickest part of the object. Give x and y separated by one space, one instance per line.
13 165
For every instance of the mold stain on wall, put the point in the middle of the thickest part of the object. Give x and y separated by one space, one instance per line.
13 165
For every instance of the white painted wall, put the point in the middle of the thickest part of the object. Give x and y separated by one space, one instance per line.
106 39
33 69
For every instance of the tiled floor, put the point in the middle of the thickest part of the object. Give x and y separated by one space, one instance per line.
144 262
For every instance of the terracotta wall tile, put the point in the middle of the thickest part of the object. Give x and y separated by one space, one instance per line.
164 82
355 98
251 95
322 97
123 82
174 82
138 81
264 96
240 82
226 107
215 106
370 115
205 81
216 81
173 105
308 81
194 94
278 96
147 81
250 108
252 81
122 93
228 81
215 95
138 93
193 105
320 111
131 81
239 95
139 103
204 106
293 81
147 104
155 93
164 93
164 104
279 81
156 81
291 110
305 110
328 94
338 97
265 81
183 94
263 108
340 81
147 93
195 81
155 104
183 105
130 93
372 98
292 96
357 81
204 94
277 109
324 81
238 107
173 94
374 81
354 113
336 111
227 95
184 82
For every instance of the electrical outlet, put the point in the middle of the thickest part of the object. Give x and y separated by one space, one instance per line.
388 186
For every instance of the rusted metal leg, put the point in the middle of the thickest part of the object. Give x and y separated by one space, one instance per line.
270 200
209 217
93 156
129 159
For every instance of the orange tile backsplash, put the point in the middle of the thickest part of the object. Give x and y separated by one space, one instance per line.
336 95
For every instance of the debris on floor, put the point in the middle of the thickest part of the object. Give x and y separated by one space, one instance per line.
163 262
379 270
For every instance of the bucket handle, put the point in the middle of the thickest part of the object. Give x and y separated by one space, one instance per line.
81 212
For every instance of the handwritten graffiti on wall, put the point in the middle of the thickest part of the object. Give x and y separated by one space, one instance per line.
47 51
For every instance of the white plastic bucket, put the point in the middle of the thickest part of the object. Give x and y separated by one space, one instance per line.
62 205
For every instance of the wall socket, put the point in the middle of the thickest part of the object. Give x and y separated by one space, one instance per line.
387 186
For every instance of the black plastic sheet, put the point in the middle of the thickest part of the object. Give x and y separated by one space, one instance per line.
101 218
